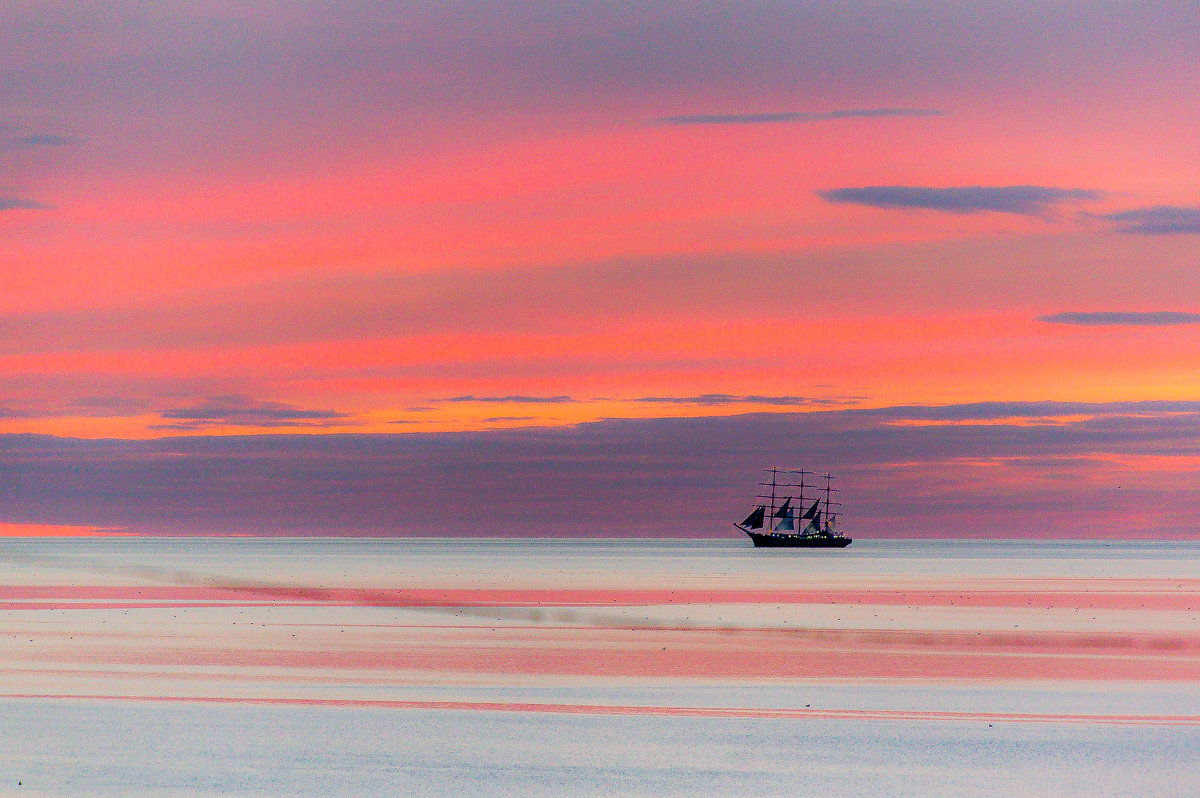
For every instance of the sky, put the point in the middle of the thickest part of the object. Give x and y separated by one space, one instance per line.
543 268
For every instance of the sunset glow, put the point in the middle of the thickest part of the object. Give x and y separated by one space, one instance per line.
223 222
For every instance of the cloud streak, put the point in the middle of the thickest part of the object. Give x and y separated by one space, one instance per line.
1127 318
43 140
1037 201
992 411
1159 220
20 204
511 399
714 399
785 117
243 411
706 399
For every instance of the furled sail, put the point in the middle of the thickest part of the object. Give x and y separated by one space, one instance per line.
755 519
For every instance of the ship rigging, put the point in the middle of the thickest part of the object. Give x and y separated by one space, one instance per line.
783 517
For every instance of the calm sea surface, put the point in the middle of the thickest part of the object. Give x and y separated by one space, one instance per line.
549 667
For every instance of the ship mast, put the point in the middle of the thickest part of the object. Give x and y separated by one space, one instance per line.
781 506
773 470
829 489
788 487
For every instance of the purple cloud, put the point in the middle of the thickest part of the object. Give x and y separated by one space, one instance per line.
1159 220
1019 200
735 399
1156 318
43 140
19 204
246 412
777 117
633 477
512 398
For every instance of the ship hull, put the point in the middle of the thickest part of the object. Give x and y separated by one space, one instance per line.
778 541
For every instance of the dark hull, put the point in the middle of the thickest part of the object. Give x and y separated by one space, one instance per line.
778 540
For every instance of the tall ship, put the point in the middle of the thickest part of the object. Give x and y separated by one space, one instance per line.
783 517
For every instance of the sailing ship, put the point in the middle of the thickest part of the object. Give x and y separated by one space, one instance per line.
783 517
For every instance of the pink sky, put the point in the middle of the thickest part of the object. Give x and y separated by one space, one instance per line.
395 220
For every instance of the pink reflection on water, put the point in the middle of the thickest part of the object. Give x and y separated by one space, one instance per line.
690 653
1177 595
626 709
168 631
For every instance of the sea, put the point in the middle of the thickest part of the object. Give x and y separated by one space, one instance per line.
351 666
